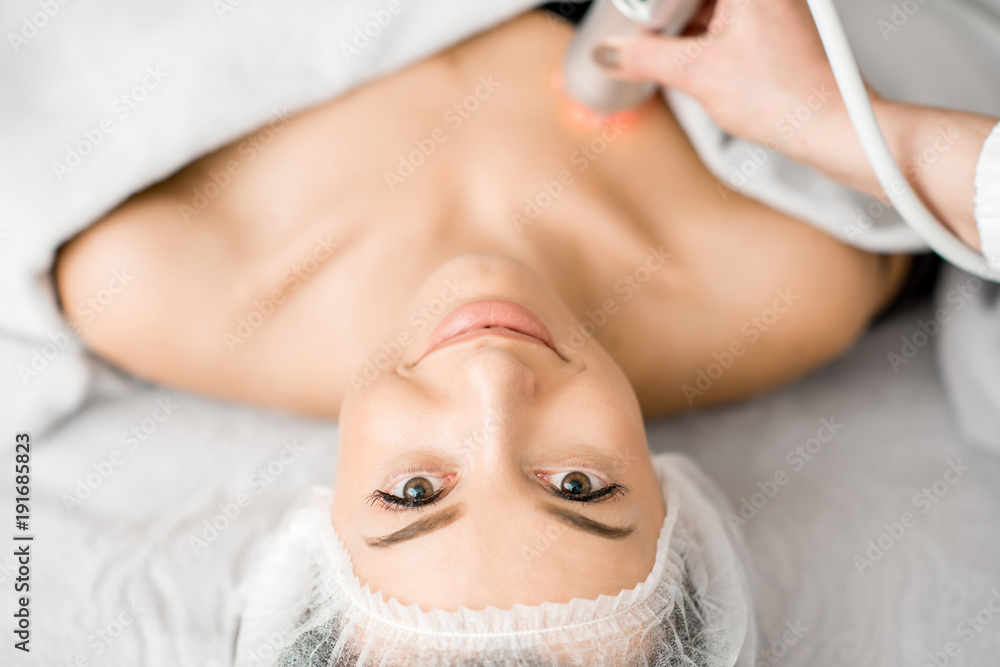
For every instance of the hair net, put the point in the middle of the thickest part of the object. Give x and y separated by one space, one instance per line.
302 604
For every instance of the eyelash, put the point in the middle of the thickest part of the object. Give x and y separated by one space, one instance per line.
609 492
393 503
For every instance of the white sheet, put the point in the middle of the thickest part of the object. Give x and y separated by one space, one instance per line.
897 439
131 540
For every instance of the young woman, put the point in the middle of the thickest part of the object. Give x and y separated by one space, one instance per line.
490 291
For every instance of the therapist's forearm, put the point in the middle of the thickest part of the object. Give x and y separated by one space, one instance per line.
936 149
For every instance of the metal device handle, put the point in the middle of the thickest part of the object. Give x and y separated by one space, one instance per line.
586 82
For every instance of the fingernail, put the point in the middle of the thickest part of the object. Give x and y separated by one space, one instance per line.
608 55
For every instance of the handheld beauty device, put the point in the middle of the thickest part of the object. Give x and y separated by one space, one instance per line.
587 82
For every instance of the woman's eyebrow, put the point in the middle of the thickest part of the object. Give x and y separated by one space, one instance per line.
581 522
418 528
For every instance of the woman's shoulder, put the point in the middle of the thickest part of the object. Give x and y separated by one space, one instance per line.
142 283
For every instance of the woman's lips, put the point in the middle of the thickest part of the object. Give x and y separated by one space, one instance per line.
490 318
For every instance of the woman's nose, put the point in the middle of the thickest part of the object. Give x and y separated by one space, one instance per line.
497 379
493 390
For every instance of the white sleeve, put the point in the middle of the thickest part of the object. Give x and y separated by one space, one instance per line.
988 198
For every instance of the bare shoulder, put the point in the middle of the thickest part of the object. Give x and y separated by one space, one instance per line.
142 286
769 298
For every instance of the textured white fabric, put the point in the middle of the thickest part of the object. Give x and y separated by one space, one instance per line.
988 197
304 605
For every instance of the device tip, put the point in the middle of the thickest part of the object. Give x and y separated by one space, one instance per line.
581 117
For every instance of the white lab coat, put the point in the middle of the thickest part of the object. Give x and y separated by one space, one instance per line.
988 197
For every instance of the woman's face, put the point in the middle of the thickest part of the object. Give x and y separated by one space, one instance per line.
493 466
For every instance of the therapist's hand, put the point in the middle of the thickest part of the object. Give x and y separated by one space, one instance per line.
760 71
756 62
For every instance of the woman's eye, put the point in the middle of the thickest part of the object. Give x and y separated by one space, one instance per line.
411 492
575 483
416 489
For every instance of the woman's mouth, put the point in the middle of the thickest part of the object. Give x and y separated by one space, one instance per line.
490 318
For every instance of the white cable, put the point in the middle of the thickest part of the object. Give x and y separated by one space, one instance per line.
859 108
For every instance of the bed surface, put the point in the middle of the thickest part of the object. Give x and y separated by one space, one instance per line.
132 575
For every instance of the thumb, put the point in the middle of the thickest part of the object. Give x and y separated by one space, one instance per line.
646 58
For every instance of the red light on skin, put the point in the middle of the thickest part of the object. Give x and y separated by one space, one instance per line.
579 116
622 118
556 81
